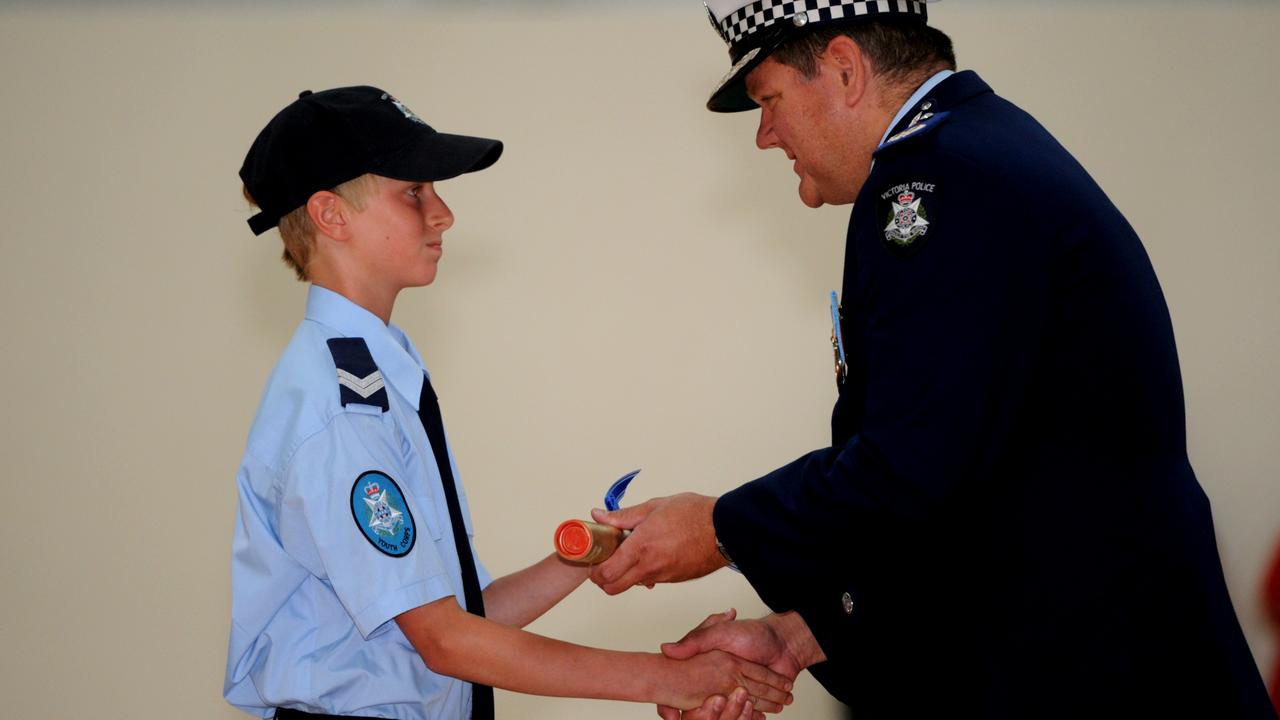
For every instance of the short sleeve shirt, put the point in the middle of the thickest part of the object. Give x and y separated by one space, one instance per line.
341 526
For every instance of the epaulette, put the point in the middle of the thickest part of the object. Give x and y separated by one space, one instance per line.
922 125
359 380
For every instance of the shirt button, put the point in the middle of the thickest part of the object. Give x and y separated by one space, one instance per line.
847 601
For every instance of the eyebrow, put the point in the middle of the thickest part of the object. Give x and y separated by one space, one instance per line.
754 91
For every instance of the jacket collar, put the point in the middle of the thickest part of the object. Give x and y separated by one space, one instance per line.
952 92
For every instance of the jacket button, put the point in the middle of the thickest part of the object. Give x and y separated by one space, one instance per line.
847 601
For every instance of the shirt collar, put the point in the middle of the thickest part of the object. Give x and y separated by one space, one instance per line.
916 97
392 352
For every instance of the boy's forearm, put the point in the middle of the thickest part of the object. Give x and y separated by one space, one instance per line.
523 596
455 643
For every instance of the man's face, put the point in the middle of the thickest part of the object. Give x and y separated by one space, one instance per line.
808 119
401 230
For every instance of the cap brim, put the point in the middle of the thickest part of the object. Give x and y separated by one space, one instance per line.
441 156
731 94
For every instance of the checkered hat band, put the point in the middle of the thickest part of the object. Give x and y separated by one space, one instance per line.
763 13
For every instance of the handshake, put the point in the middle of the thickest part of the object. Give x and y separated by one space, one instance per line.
765 665
672 539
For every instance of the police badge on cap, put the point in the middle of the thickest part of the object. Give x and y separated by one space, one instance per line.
754 28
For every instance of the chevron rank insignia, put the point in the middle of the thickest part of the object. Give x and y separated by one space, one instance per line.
359 380
921 124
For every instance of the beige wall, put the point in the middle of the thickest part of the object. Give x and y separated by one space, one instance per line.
633 285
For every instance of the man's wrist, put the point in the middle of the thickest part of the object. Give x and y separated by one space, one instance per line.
725 555
800 643
719 558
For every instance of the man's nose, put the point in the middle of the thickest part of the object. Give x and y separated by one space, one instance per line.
765 138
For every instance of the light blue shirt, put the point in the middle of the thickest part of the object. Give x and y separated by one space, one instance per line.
313 601
916 97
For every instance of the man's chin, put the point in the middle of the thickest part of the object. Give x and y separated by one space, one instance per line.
811 193
810 196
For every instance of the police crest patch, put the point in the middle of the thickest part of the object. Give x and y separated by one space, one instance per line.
907 210
403 109
382 514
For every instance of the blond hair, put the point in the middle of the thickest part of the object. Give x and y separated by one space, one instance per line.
299 233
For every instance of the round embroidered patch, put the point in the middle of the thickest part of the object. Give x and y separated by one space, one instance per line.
382 514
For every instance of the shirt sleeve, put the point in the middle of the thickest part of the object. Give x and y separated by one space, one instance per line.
352 515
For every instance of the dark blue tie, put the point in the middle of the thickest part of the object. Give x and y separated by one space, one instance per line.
429 414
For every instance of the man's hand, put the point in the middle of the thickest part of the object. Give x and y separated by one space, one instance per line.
755 690
672 539
738 706
780 642
765 641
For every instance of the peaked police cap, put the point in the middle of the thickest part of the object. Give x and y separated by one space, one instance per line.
755 28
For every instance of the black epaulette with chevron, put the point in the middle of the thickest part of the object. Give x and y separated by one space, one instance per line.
359 380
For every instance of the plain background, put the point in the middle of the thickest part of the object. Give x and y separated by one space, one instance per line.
633 285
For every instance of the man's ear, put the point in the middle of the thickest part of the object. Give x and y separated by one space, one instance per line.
330 214
845 58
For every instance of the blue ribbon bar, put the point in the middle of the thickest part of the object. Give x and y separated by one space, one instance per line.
613 497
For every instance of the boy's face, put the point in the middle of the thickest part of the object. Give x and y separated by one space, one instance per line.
400 232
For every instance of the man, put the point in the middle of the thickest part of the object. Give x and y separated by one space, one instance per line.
1006 524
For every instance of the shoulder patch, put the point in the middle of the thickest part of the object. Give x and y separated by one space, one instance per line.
359 380
909 210
922 125
382 514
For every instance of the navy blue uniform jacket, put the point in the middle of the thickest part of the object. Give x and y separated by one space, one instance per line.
1007 500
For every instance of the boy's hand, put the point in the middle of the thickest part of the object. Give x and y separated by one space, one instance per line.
717 707
672 539
719 673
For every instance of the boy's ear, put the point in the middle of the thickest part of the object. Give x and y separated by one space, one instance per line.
329 213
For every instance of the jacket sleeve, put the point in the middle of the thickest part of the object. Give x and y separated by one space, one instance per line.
949 343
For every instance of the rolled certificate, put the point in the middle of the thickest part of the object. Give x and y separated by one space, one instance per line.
586 542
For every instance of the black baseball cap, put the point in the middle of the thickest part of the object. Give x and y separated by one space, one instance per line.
326 138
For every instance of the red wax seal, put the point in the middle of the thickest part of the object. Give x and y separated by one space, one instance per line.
573 539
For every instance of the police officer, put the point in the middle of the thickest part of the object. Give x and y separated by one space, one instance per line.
1005 524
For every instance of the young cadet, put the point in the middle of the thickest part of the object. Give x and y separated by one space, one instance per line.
355 588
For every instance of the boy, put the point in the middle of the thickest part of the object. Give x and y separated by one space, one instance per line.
352 535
